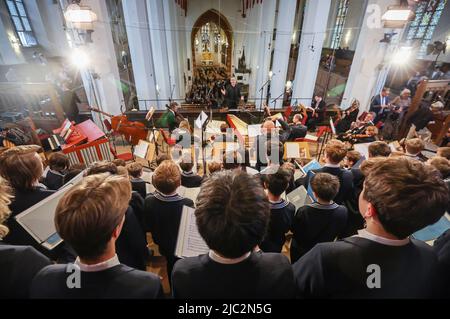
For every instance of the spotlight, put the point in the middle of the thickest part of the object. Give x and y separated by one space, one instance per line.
402 56
79 58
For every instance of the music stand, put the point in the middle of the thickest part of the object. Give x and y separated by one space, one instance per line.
328 135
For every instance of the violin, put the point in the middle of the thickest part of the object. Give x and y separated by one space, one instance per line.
132 131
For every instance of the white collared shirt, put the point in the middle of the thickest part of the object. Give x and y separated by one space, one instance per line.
332 165
363 233
227 261
110 263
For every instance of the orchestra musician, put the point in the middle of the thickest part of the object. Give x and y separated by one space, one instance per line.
318 108
172 118
232 94
350 115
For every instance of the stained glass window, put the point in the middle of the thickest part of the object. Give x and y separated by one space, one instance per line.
21 23
339 24
422 28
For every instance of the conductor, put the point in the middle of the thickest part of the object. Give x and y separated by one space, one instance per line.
232 94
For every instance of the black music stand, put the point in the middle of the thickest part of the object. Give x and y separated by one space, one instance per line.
325 139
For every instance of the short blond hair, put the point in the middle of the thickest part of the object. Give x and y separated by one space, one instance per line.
414 146
167 177
90 211
20 166
335 150
5 200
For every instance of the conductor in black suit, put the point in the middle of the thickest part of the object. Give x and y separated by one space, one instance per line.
232 94
90 217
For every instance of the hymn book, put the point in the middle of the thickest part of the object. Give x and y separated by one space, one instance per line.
189 243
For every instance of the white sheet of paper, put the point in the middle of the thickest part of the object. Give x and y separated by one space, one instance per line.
141 149
292 150
189 243
254 130
363 149
201 120
311 137
251 171
299 197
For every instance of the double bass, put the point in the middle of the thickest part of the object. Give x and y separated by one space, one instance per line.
132 131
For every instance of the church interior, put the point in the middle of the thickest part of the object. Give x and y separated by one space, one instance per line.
213 150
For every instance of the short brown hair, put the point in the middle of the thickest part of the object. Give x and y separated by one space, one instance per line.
354 156
161 158
414 146
379 149
167 177
407 194
444 152
187 162
335 150
232 213
89 212
224 127
58 162
214 167
102 167
135 169
441 164
232 160
325 185
119 162
20 166
278 182
5 200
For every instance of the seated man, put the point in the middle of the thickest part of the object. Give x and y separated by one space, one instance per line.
188 178
281 211
296 129
321 221
135 170
400 197
232 217
335 152
414 148
163 210
90 217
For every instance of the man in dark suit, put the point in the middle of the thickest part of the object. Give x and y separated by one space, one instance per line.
379 104
319 108
90 217
232 94
232 216
400 197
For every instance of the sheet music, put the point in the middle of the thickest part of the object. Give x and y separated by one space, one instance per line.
141 149
38 220
202 118
251 171
292 150
363 149
189 243
314 164
299 197
311 137
298 174
254 130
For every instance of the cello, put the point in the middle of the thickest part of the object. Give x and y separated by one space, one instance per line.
132 131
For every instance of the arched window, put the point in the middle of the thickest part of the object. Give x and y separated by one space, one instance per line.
422 28
21 22
338 29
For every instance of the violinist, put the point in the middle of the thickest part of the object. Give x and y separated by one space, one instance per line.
318 108
369 136
296 128
171 118
350 115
